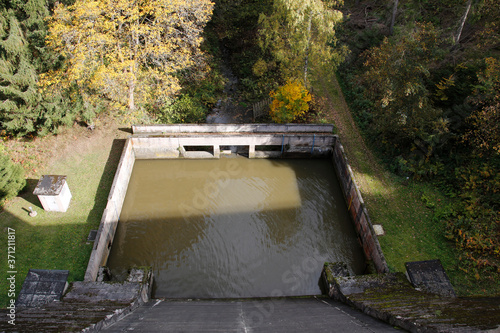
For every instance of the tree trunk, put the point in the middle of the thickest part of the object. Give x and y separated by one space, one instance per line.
462 23
306 60
394 11
131 89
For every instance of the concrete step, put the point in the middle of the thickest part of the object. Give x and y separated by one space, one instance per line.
308 314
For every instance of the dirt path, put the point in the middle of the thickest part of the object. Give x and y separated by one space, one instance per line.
231 109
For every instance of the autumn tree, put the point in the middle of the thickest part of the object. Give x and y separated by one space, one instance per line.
396 80
126 50
485 121
476 227
300 33
289 102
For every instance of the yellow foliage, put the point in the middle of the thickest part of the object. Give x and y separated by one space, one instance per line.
127 50
298 34
289 102
443 85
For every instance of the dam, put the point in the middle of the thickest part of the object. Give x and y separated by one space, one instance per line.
233 211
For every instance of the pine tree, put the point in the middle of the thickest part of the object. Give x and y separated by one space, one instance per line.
18 88
11 178
23 110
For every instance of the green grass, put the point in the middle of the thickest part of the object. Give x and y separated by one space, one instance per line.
54 240
404 208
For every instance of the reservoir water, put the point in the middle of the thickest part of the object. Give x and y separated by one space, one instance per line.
234 227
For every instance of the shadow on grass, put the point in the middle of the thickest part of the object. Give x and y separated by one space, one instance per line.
40 246
43 243
27 194
94 217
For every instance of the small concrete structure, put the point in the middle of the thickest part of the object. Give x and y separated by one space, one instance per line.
429 275
86 307
391 298
53 193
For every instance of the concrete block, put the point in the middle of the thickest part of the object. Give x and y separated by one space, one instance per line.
430 276
53 193
379 230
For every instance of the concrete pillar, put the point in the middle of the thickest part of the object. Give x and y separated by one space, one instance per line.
251 151
216 151
182 151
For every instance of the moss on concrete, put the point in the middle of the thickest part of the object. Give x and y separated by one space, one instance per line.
392 298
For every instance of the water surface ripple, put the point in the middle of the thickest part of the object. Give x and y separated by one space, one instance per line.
234 227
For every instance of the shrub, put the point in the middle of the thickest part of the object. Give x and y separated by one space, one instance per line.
184 109
11 178
289 102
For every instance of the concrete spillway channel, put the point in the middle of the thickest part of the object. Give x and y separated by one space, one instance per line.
254 141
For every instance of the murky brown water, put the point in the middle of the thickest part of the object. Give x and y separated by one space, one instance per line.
234 227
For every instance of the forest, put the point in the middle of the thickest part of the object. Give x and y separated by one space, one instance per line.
421 78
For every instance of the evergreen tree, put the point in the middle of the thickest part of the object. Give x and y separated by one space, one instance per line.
23 110
11 178
18 89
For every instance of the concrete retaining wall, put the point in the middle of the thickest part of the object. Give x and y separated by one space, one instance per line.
111 215
173 146
232 128
357 210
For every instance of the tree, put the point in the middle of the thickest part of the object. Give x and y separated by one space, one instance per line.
299 33
393 18
485 121
462 21
11 178
23 110
396 81
126 50
289 102
18 89
32 13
